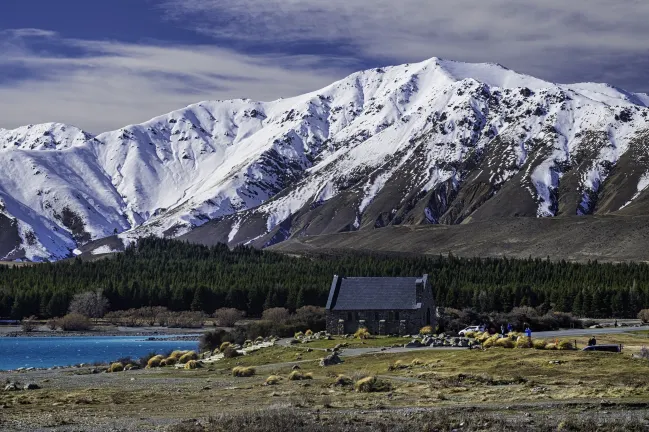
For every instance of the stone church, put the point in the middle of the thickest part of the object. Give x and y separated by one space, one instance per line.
384 305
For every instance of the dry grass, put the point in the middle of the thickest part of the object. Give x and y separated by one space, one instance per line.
297 375
193 364
155 361
371 384
116 367
362 333
191 355
427 330
273 380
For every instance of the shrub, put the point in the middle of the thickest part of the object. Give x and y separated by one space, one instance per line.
228 317
230 352
371 384
428 330
116 367
343 381
564 345
278 315
298 335
144 360
211 340
193 364
177 354
551 346
483 337
273 380
241 371
471 334
154 361
170 361
643 315
52 324
297 375
74 322
308 333
191 355
29 324
163 363
504 343
224 346
362 333
539 344
312 317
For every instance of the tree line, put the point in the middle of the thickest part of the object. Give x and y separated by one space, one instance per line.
182 276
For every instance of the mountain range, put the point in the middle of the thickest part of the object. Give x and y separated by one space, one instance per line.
433 143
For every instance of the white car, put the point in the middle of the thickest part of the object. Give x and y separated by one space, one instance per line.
474 329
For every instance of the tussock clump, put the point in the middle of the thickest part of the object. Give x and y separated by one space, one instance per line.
154 361
515 335
504 343
471 334
242 371
490 342
170 361
565 345
193 364
191 355
177 354
483 337
163 363
309 332
116 367
551 346
371 384
298 335
416 362
362 333
398 364
524 342
427 330
224 346
273 380
297 375
343 381
539 344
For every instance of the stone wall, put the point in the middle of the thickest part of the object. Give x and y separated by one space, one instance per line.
377 322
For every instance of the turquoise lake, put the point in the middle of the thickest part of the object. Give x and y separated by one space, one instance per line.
44 352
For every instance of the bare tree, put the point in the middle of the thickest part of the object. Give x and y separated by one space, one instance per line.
227 317
278 315
92 304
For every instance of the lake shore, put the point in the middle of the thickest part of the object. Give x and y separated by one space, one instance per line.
106 330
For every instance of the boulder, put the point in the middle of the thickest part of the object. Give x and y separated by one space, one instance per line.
330 360
295 367
31 386
415 343
12 386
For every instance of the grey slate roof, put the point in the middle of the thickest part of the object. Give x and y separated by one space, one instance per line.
374 293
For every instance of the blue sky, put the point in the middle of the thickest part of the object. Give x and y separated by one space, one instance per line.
102 64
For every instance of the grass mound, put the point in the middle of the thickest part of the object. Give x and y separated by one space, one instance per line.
524 342
224 346
273 380
193 364
170 361
116 367
176 354
154 361
242 371
371 384
343 381
539 344
309 332
565 345
230 352
504 343
297 375
191 355
362 333
427 330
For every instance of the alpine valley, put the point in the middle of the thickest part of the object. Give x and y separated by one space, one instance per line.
428 148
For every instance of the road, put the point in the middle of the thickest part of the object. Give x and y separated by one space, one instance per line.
586 332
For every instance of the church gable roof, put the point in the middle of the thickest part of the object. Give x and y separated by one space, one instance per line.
374 293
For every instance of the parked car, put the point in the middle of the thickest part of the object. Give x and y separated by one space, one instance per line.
474 329
606 348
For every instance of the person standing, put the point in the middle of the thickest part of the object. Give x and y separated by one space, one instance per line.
528 333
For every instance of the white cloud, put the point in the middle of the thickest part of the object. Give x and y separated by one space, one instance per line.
554 39
114 84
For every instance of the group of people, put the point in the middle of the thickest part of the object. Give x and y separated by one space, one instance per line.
510 328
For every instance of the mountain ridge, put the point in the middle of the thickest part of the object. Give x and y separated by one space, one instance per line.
425 143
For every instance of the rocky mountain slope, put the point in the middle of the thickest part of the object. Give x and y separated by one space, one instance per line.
438 142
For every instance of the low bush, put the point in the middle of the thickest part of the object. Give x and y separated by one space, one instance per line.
213 339
425 331
227 317
273 380
362 333
74 322
144 360
297 375
170 361
343 381
193 364
191 355
308 333
298 335
524 342
242 371
539 344
116 367
371 384
29 324
504 343
154 361
277 314
52 324
230 352
643 315
565 345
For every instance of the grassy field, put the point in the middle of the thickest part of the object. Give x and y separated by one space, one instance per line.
521 385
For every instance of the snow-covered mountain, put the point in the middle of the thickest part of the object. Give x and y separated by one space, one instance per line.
432 142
